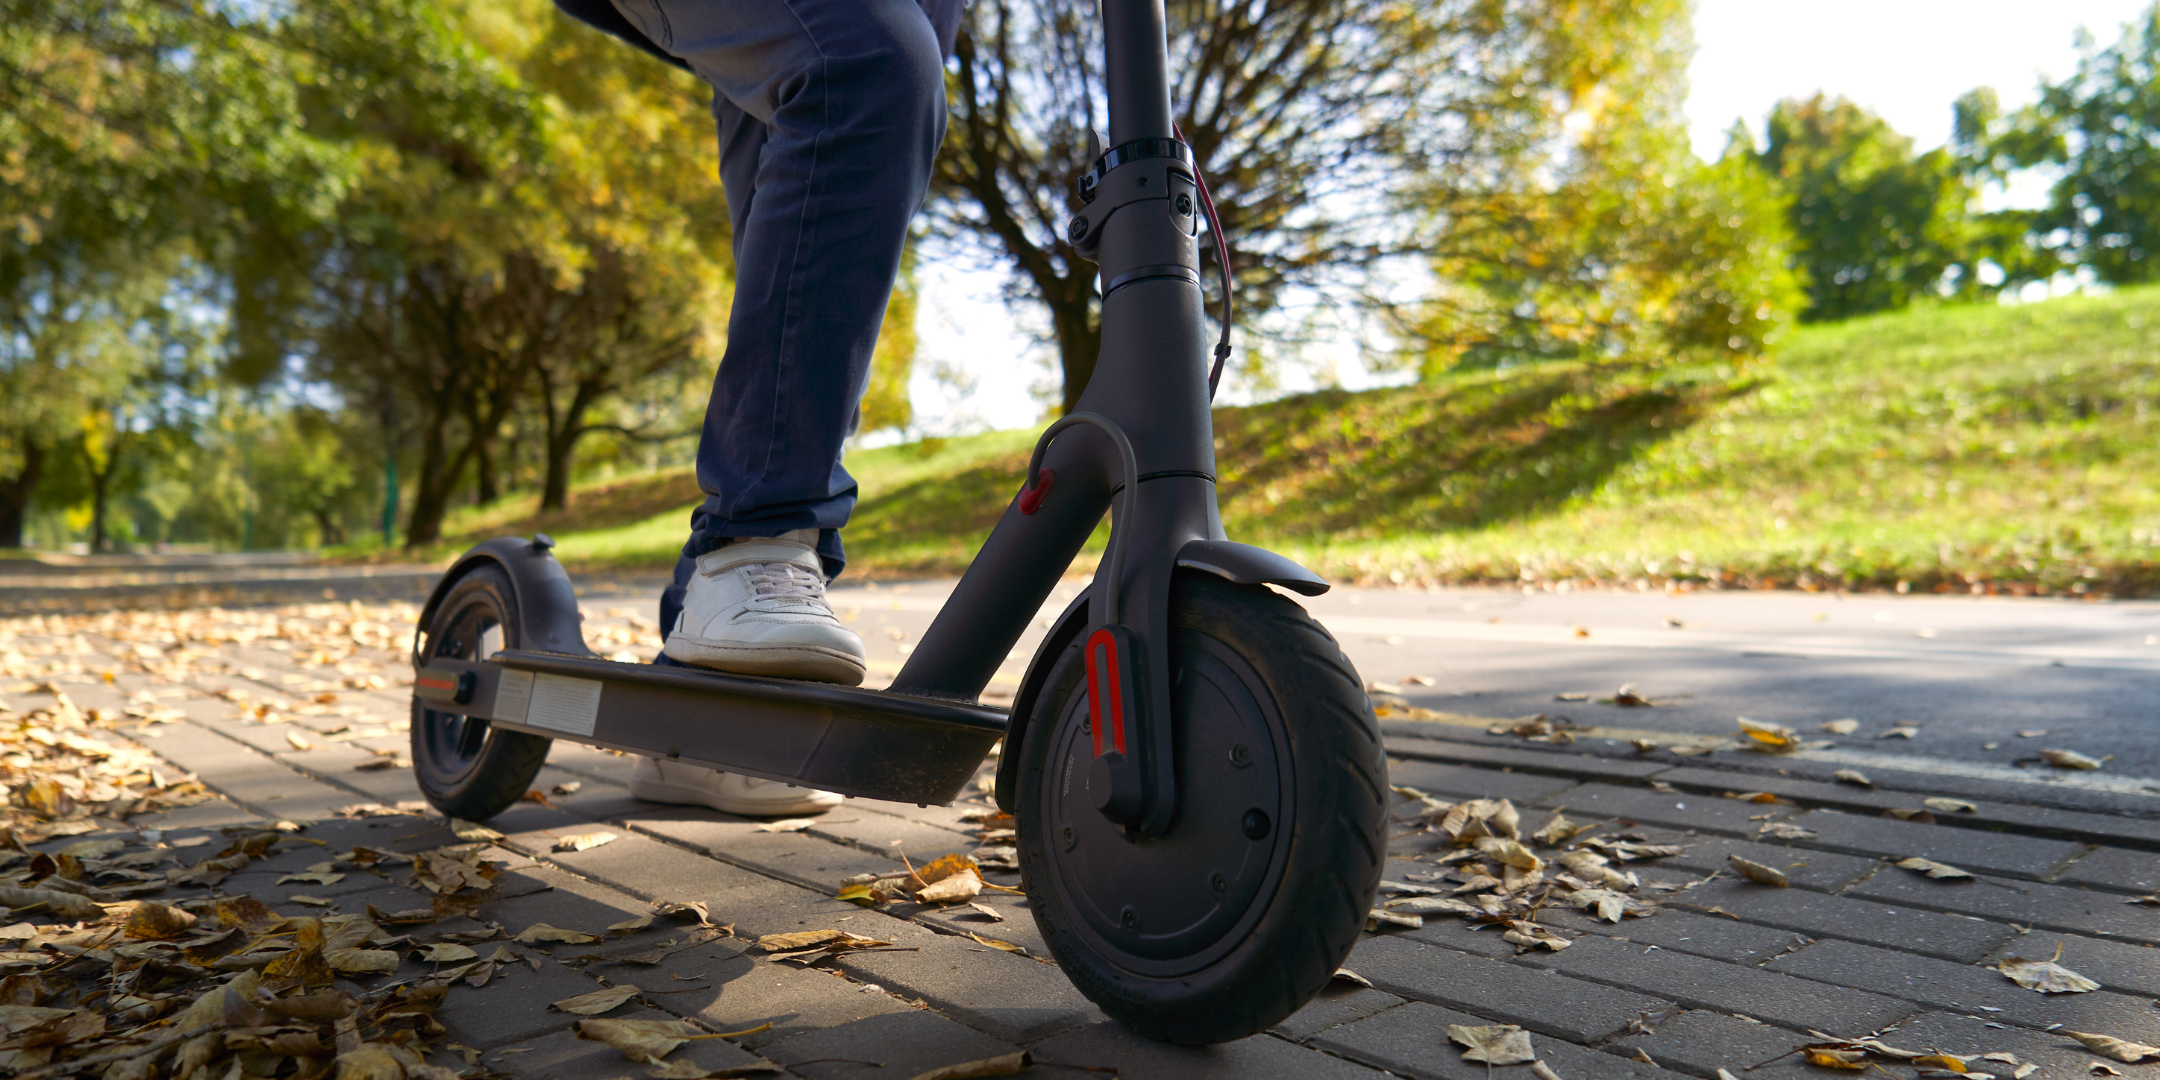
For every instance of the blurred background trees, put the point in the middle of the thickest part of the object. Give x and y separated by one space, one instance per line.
284 276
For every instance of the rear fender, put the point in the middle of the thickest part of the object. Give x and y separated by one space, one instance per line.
548 618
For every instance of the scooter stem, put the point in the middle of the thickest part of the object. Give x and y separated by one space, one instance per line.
1137 68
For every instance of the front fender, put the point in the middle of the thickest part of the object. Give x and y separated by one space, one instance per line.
548 619
1249 565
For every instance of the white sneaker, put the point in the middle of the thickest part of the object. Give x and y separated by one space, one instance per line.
757 607
674 782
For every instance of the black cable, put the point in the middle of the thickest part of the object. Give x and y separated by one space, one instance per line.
1222 262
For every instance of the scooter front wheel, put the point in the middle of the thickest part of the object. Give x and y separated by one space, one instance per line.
467 767
1243 910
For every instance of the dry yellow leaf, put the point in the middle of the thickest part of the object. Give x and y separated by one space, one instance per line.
799 940
787 825
1757 872
1842 727
1951 806
1543 1071
629 925
1853 776
1933 869
2046 976
597 1002
1836 1058
1509 853
361 961
1526 935
298 741
584 841
1493 1044
2071 759
639 1040
539 932
1775 737
156 922
965 885
472 832
2121 1050
446 952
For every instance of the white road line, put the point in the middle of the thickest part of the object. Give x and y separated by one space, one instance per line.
1715 641
2112 784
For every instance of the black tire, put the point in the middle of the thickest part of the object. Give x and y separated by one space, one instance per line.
466 767
1216 934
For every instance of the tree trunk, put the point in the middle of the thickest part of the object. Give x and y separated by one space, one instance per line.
1079 335
437 483
485 490
327 524
562 439
98 484
15 492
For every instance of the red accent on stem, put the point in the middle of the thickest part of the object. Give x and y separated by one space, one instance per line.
1102 674
438 684
1031 497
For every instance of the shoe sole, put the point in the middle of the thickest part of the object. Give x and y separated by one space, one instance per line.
663 792
806 662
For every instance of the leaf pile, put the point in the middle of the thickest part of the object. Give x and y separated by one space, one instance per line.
57 775
1497 878
950 879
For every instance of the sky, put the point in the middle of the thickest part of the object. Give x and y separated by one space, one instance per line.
1906 60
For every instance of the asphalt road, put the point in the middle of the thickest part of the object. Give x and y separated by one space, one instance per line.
1967 676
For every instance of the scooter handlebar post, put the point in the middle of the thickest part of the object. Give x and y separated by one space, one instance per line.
1136 67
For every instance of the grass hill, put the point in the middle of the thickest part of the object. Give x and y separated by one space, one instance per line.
1947 448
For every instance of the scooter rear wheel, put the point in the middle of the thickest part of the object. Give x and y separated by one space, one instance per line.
1242 911
466 767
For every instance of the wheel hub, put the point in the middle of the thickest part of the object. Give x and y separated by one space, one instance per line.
1170 904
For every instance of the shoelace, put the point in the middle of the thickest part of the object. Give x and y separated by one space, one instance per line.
788 583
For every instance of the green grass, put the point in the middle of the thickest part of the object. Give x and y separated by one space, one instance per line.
2009 448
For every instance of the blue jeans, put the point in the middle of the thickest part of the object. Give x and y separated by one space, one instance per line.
830 114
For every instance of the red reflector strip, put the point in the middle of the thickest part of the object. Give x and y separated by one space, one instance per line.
437 684
1102 674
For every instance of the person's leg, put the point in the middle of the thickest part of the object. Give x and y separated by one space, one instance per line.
830 112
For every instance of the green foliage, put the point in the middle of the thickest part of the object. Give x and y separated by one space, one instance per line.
1874 225
2101 129
1628 249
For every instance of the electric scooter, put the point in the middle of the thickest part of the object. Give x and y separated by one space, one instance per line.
1195 770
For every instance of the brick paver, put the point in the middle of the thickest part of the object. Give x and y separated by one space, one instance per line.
1730 974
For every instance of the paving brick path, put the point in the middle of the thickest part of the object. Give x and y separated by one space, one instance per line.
1730 974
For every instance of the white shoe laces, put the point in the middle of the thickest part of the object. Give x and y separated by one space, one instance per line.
787 582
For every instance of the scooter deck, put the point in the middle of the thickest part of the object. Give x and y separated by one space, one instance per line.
839 738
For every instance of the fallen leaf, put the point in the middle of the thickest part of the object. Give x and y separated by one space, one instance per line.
298 741
965 885
361 961
1349 976
629 925
599 1001
798 940
156 922
2024 1071
1752 796
1772 737
1001 1065
1557 830
1543 1071
1951 806
1786 830
313 877
1834 1057
2071 759
1853 776
1526 935
787 825
639 1040
447 952
1842 727
584 841
2109 1046
1934 869
472 832
1493 1044
1509 853
690 1070
1902 731
1757 872
1376 916
2046 976
539 932
987 911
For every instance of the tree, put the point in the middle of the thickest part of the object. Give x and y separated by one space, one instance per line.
1874 225
1613 243
2100 128
1297 111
